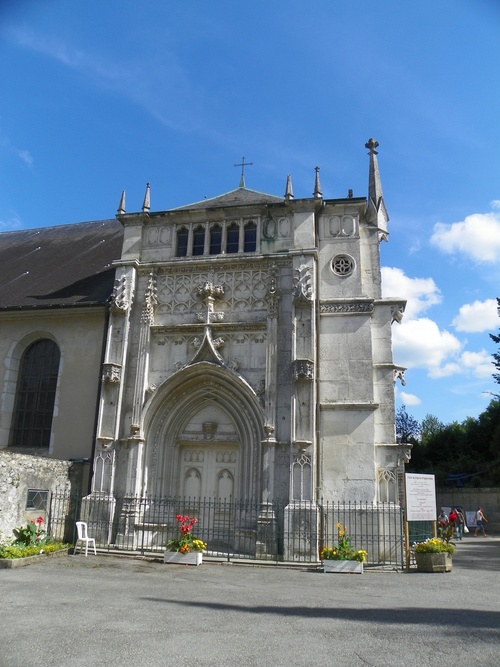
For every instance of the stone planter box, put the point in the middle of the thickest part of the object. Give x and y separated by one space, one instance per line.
343 566
192 558
433 562
30 560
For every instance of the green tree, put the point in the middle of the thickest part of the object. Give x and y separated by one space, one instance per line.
496 355
407 427
429 427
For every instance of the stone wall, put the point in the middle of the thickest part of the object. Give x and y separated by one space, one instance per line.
470 500
18 474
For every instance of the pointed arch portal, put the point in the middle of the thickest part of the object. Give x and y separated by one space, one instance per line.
203 431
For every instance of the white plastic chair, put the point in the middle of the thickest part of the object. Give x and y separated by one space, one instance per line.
83 536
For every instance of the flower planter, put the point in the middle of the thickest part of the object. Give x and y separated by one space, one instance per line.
428 562
31 560
191 558
343 566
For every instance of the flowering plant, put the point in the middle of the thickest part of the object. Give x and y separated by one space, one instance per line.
30 535
187 541
30 540
434 546
343 550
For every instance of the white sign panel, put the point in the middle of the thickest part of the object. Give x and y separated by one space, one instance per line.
420 497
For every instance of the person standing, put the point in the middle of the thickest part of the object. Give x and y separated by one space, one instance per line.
480 521
442 527
461 525
453 518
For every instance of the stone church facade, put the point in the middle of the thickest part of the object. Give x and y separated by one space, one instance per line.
248 353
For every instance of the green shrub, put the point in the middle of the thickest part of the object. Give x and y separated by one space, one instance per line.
18 551
434 546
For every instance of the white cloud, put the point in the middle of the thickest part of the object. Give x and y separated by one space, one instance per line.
419 343
495 203
409 399
480 364
478 316
158 84
12 223
21 153
25 156
477 237
420 293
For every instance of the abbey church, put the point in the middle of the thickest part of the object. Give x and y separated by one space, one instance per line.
236 347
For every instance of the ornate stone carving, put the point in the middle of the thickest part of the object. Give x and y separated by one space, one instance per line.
233 364
216 342
269 431
209 429
342 226
111 373
303 369
210 293
214 316
120 298
397 312
225 457
193 455
209 289
404 454
399 374
269 227
346 308
272 294
302 284
343 265
245 288
150 301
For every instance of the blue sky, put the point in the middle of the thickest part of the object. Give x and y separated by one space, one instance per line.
100 97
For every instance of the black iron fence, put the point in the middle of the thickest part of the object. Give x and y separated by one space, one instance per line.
233 529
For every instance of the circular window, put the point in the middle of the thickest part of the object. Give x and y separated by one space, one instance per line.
342 265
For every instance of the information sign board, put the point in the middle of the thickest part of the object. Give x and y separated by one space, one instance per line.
420 497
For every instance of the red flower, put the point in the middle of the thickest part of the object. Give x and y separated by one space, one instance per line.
39 520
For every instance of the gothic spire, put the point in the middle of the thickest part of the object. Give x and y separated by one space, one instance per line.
121 205
146 204
289 188
376 213
317 185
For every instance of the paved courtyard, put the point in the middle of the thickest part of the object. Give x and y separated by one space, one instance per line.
114 612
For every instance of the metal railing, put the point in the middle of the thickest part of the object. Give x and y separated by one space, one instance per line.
280 531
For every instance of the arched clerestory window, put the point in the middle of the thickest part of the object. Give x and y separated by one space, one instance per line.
216 240
233 238
35 396
250 238
199 241
182 242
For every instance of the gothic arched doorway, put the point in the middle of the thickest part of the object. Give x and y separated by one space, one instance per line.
211 418
203 453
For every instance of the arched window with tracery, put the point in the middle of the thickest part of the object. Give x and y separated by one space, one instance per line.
35 396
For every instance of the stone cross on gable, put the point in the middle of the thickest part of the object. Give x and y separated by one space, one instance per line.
243 164
210 292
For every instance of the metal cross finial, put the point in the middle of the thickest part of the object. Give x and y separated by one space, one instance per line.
243 164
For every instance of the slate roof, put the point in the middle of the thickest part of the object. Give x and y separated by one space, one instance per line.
239 197
68 265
